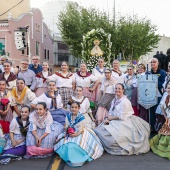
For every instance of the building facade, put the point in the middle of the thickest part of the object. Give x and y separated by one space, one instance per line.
41 42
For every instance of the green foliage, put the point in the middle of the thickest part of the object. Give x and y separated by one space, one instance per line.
132 37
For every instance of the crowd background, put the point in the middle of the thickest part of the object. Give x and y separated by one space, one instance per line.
43 112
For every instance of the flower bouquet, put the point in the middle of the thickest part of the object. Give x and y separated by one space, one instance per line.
4 102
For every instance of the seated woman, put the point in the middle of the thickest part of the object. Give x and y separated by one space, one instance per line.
84 144
108 93
122 133
42 133
2 140
5 109
21 95
15 147
53 101
84 107
161 142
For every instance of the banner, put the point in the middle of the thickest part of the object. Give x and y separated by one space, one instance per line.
147 90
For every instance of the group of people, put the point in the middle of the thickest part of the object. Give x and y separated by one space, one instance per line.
78 115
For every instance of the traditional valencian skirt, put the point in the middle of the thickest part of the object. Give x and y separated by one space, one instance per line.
47 146
13 153
160 144
125 137
66 94
98 92
78 150
59 115
40 91
5 120
88 121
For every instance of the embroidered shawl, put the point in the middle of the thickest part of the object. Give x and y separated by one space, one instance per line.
40 75
64 77
11 77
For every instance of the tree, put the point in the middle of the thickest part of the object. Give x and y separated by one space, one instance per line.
130 36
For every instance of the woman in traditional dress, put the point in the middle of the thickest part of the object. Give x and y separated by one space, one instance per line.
65 83
15 147
142 112
129 80
53 101
99 73
85 145
122 133
42 133
84 107
21 95
5 109
108 91
116 72
8 76
41 79
85 80
167 78
160 143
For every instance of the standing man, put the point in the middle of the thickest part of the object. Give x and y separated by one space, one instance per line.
156 120
163 61
35 66
27 74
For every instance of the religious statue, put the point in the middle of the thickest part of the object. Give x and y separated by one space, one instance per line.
96 51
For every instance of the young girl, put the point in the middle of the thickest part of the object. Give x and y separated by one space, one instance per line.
161 142
15 147
84 144
42 133
84 107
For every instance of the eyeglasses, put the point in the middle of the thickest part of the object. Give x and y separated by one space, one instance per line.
107 72
129 69
100 61
153 62
24 63
35 59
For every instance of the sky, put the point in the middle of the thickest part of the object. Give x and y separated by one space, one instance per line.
155 10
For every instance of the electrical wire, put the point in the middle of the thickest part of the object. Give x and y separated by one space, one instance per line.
12 7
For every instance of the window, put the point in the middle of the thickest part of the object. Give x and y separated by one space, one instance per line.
23 52
37 48
62 46
37 27
48 54
27 49
62 57
45 54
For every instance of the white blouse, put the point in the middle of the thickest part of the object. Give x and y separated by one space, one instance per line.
109 88
97 74
43 124
29 97
163 104
48 101
39 81
84 106
120 79
14 126
123 110
63 82
85 81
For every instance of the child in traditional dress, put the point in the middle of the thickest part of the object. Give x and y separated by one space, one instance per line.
15 147
42 133
85 145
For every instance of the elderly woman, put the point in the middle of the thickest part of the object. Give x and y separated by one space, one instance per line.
8 75
53 100
65 83
21 95
108 91
84 107
122 133
85 80
41 78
